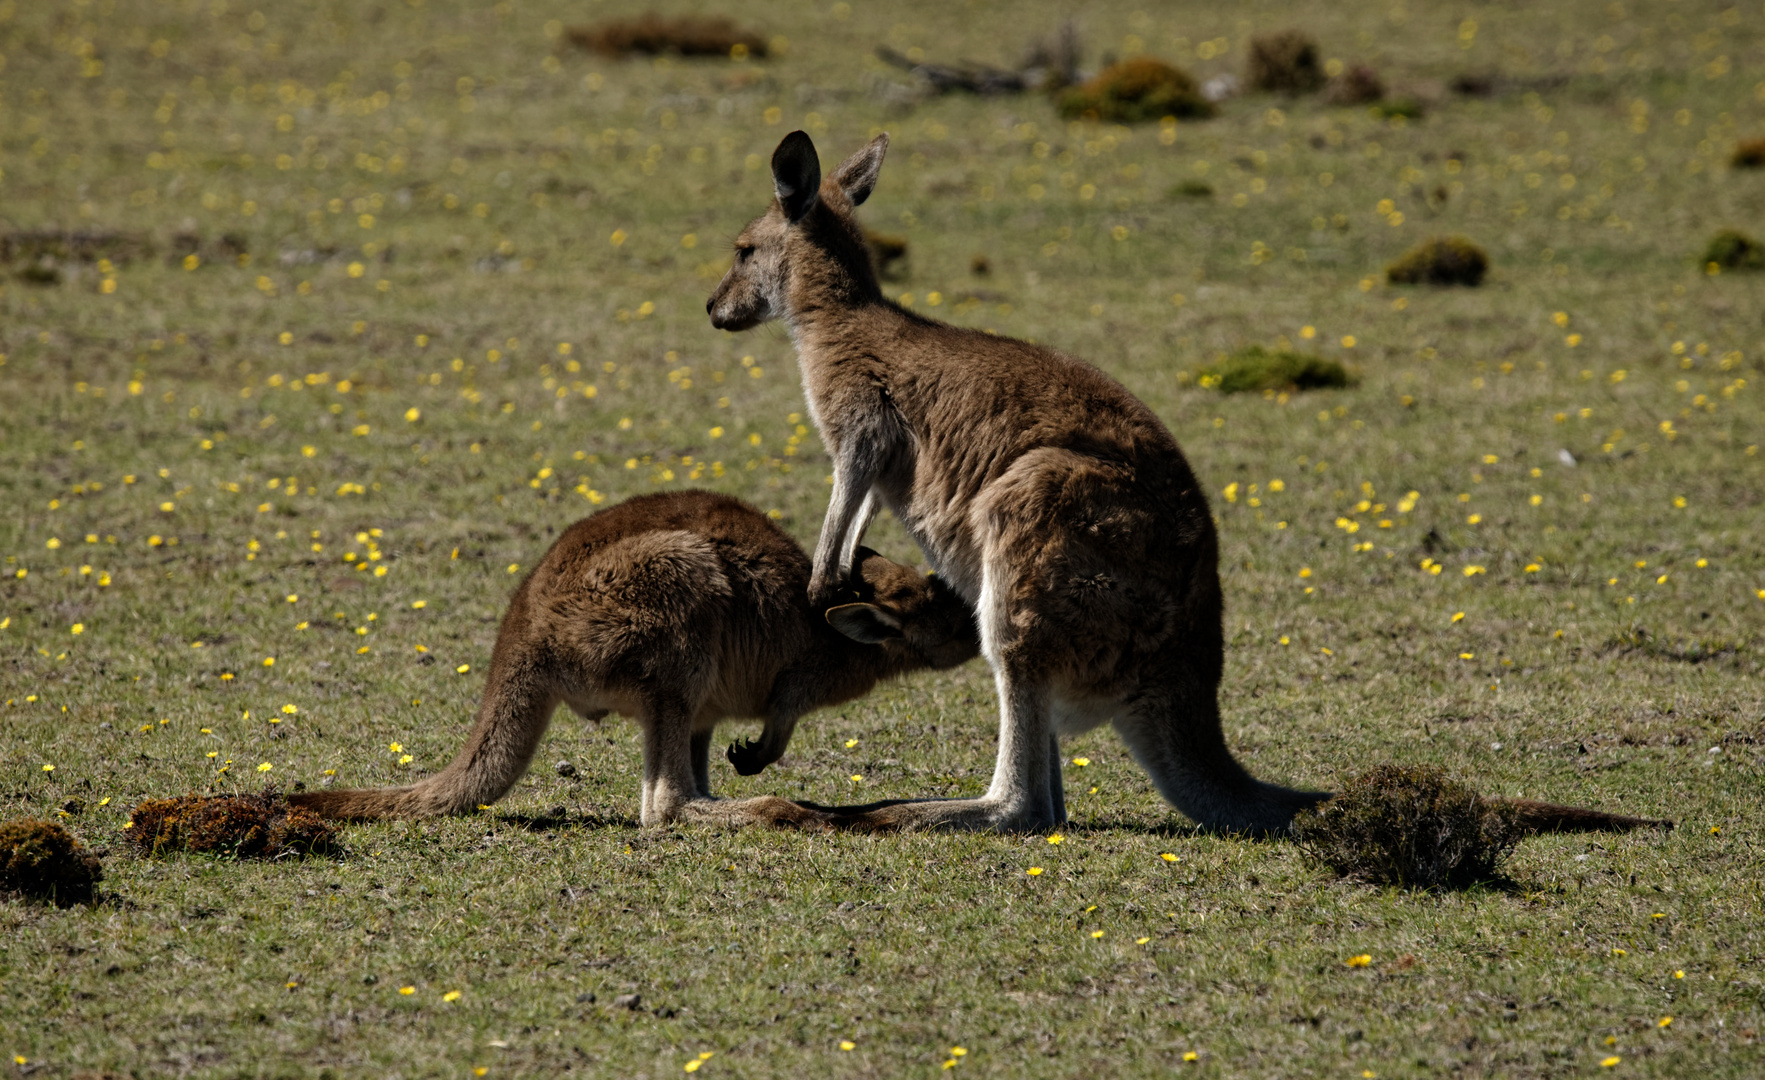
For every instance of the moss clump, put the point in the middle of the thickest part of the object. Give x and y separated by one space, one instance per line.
887 252
1749 154
684 35
1284 63
1136 90
1359 85
1734 250
40 860
1443 260
1255 368
1409 826
242 826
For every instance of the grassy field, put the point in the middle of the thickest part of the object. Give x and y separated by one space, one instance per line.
380 296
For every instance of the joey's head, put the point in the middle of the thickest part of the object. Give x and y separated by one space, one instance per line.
807 237
909 612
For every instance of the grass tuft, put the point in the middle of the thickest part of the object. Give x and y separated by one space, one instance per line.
1732 249
652 35
1285 63
1411 826
1441 260
1136 90
40 860
1254 369
242 826
1749 154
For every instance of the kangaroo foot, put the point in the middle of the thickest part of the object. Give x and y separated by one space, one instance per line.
747 757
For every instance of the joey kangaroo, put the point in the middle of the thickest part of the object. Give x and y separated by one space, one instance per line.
680 610
1043 491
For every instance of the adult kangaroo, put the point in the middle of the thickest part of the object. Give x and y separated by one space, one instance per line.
1043 491
680 610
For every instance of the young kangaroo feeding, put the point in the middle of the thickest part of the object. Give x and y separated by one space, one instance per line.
680 610
1037 486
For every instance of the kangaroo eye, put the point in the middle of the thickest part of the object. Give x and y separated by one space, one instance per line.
743 253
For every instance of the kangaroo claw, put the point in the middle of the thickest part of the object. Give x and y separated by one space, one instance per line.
745 757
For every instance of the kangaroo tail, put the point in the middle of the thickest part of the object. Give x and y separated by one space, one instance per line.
517 707
1538 817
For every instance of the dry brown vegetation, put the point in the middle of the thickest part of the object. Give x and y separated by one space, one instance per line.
1284 63
685 35
1137 90
1411 826
40 860
261 826
1440 260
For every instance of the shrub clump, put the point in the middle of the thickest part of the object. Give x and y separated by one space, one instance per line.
260 826
1359 85
1442 260
40 860
1284 63
1749 154
685 35
1135 90
1255 368
1734 250
1409 826
888 253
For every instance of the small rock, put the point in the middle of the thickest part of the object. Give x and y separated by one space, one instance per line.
847 905
628 1001
566 770
585 999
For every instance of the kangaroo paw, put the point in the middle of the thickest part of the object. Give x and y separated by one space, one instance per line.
746 757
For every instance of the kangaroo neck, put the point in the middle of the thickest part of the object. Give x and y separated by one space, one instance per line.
830 279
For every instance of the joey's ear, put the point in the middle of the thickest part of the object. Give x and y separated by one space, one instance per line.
864 622
857 175
796 175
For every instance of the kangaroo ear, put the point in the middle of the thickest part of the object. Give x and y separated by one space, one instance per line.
857 175
864 622
796 175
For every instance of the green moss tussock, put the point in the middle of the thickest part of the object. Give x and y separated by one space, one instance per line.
1440 260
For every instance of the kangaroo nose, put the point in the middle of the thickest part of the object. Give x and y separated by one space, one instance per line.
709 304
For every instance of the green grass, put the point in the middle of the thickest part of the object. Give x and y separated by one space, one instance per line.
453 194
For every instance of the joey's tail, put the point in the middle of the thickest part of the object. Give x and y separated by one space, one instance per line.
1538 817
517 706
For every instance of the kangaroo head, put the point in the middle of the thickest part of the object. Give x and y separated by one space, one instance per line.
904 608
807 238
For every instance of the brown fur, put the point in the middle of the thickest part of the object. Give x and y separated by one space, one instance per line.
680 610
1040 488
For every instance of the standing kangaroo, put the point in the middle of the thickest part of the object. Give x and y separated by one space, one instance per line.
1038 487
680 610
